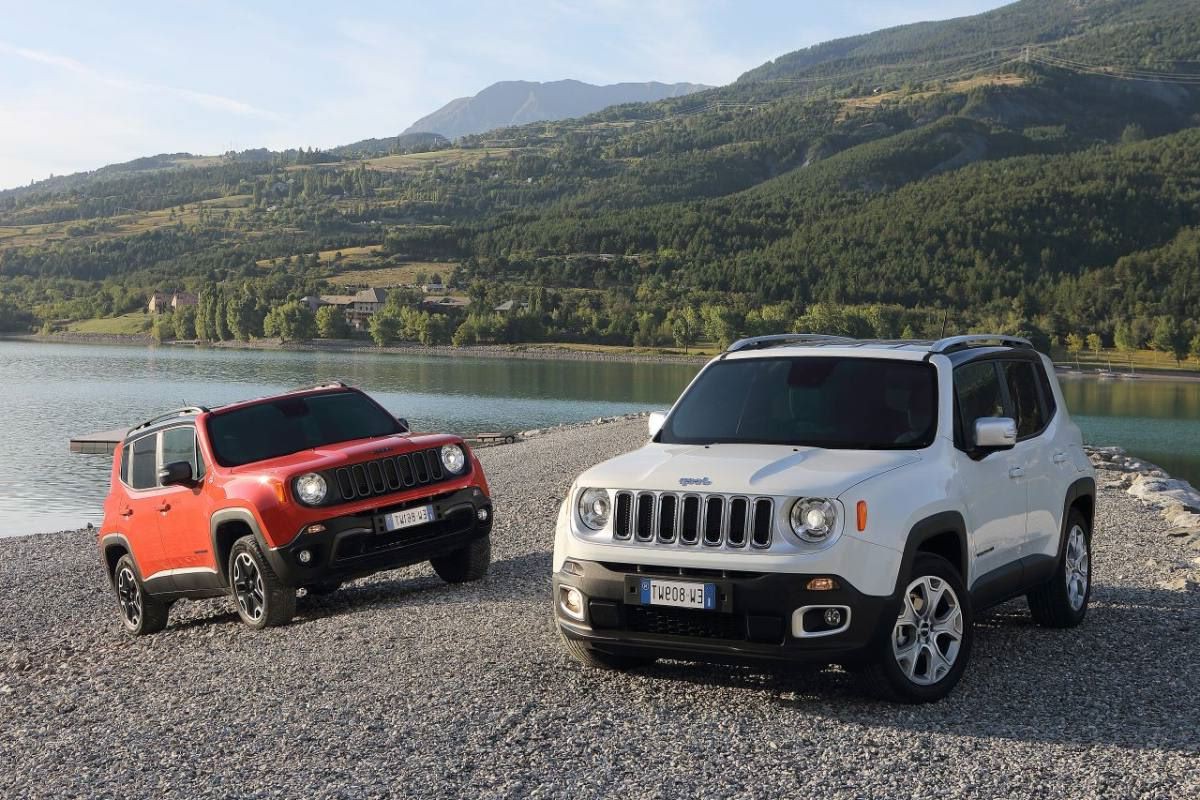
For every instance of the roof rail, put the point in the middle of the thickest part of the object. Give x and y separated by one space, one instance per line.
326 385
953 343
782 339
179 412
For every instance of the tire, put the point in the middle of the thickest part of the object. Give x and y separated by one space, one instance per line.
469 563
922 655
1062 601
597 660
261 598
141 613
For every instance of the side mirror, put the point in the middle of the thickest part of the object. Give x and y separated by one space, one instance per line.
403 424
655 422
995 433
177 473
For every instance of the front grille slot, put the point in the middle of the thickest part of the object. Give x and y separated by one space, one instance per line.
645 517
623 518
688 520
764 513
384 475
714 509
667 508
685 622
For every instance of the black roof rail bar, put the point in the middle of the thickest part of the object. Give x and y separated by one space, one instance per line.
179 412
780 339
951 344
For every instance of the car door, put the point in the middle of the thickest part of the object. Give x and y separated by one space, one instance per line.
1037 454
183 514
140 509
993 484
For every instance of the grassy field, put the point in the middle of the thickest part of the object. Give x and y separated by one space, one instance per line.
398 275
1121 361
125 324
410 161
350 255
856 104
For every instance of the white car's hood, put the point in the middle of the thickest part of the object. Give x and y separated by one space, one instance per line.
760 469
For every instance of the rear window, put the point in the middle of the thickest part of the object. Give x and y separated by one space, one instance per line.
291 424
816 401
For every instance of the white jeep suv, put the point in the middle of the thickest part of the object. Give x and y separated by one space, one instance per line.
816 498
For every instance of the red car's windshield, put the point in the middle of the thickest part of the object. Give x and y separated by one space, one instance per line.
291 424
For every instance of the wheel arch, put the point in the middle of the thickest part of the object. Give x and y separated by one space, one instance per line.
112 547
226 527
1081 496
943 534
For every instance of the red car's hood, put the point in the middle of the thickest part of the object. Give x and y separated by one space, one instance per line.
342 453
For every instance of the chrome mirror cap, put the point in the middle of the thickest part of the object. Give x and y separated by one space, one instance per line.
995 432
655 422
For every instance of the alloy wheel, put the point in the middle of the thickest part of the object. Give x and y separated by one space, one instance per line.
1077 567
248 586
130 597
929 631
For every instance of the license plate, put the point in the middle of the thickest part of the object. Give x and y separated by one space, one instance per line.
408 518
679 593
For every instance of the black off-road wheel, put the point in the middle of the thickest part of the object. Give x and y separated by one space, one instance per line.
469 563
1062 601
262 599
598 660
923 653
141 614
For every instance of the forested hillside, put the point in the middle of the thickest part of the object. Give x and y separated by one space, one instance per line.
1035 169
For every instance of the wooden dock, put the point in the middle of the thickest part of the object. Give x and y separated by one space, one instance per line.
103 443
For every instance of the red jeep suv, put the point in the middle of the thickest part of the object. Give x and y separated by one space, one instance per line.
302 490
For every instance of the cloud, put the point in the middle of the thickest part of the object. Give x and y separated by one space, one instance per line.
207 100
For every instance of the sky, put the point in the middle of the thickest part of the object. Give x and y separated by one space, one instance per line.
84 84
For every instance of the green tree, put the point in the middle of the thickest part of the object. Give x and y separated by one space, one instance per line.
1169 337
385 326
1094 343
185 323
1124 339
1195 346
331 323
685 326
290 322
163 328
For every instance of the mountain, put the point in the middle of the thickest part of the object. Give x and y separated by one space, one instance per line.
510 103
404 143
1032 169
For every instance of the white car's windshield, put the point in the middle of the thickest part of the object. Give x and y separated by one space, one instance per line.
816 401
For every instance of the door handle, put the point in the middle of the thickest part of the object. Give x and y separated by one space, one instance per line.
1059 458
165 507
127 512
1016 472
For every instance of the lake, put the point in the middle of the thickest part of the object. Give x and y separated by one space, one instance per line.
51 392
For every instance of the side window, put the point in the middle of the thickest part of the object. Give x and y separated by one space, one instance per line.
144 470
977 388
125 463
179 444
1021 379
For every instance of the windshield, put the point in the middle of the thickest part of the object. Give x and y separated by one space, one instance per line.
291 424
844 403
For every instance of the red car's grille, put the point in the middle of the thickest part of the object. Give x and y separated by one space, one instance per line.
385 475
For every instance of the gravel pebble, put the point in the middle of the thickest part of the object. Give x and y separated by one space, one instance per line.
399 685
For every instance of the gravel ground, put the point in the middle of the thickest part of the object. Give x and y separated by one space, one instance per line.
401 686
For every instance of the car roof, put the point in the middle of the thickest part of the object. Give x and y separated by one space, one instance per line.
958 348
189 413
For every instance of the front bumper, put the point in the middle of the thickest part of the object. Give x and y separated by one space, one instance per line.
753 621
356 545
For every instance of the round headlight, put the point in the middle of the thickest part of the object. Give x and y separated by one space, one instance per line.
594 508
453 458
311 489
813 519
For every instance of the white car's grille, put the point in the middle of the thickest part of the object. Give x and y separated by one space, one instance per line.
688 519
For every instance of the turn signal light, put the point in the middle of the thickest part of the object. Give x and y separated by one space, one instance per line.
821 585
862 515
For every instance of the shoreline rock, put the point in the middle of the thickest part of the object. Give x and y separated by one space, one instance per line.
1177 501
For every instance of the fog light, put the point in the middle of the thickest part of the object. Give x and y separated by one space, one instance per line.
305 556
482 514
821 585
833 617
571 600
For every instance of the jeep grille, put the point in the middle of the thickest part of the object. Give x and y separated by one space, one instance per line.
712 520
385 475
